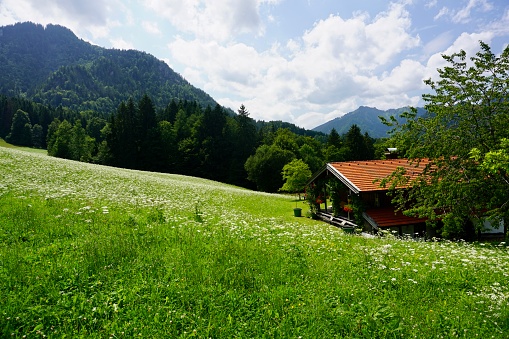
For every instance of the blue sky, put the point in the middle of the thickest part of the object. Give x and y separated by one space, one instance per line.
300 61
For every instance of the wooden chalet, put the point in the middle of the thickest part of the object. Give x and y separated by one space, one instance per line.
358 182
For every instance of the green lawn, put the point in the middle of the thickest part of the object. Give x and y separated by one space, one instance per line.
91 251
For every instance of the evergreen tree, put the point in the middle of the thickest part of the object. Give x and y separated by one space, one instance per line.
148 155
168 146
51 136
38 136
357 145
334 149
122 141
369 142
21 129
244 139
181 126
334 139
146 116
170 112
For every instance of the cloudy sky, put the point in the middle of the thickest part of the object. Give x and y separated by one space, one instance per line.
300 61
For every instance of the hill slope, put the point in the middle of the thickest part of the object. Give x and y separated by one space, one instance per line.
364 117
105 252
52 66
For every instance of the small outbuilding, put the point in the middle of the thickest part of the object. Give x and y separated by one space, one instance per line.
353 191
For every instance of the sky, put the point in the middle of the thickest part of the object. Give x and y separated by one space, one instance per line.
300 61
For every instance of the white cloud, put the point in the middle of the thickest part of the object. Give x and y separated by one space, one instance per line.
121 44
466 42
85 18
500 27
334 67
439 43
210 19
151 27
405 77
464 14
431 3
94 12
444 11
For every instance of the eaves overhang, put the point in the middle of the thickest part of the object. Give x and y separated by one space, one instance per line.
328 168
343 179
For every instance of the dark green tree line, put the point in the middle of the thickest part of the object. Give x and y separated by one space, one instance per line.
282 146
182 138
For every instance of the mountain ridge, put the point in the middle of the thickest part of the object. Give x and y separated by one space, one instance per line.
53 66
366 118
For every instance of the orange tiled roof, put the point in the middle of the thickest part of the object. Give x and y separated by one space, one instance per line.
386 217
360 175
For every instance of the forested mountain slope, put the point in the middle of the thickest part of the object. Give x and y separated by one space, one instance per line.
52 66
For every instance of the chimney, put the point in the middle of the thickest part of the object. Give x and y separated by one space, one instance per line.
391 153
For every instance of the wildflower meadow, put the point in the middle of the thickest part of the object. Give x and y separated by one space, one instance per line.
88 251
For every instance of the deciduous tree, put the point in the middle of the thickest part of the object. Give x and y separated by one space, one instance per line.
61 140
295 174
262 167
468 108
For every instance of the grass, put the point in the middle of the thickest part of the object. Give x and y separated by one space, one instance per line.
4 144
97 252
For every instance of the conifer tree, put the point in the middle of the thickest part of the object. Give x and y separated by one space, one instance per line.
21 129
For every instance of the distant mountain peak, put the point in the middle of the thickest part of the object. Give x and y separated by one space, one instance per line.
367 118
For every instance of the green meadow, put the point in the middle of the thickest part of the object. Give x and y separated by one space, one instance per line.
88 251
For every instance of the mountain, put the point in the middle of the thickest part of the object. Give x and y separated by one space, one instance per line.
274 125
367 118
53 66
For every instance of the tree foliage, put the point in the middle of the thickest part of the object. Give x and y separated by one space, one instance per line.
181 138
265 166
296 174
61 140
358 146
70 141
21 129
467 109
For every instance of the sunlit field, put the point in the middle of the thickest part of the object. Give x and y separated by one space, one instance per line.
97 252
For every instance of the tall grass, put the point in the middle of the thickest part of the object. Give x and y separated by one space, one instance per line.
91 251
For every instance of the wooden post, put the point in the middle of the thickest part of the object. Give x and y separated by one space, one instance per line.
325 197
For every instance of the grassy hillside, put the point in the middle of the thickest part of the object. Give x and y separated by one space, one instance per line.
91 251
4 144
